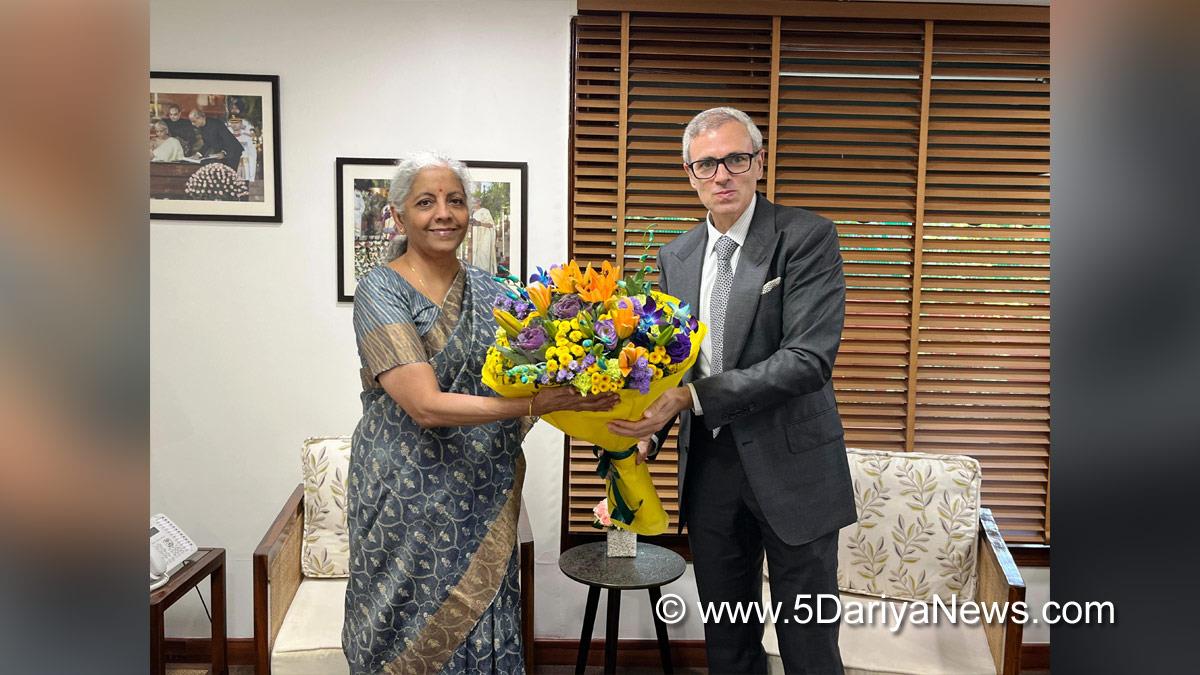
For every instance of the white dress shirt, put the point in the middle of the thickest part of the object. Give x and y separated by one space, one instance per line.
708 278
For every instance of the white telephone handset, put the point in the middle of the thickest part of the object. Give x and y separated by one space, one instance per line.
169 547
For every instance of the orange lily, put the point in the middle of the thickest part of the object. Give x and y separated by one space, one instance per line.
623 318
598 286
539 295
629 356
565 277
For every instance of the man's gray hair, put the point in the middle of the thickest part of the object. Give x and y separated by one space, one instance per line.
715 117
406 172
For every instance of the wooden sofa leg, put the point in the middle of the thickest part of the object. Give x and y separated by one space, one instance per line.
525 539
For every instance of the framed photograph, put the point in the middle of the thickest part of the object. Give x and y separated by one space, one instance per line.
366 226
214 147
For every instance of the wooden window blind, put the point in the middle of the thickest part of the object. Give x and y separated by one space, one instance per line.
923 132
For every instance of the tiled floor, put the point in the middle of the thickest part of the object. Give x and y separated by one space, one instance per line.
544 670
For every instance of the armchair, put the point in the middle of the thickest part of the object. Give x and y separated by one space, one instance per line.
921 534
300 577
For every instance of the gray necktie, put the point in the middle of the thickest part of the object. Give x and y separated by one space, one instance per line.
717 303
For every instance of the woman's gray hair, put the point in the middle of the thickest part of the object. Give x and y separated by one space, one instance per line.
406 172
412 164
715 117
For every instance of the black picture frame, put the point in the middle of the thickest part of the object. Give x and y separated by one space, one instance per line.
357 252
247 103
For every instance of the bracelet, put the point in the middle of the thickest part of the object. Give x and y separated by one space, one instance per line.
531 406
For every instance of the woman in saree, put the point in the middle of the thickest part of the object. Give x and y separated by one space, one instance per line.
436 467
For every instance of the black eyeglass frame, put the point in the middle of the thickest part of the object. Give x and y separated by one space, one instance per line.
691 166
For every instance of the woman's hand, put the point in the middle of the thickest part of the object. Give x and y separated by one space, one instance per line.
554 399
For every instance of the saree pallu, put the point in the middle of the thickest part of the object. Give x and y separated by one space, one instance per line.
433 521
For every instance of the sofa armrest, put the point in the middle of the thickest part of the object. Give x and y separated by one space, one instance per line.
1000 582
277 575
525 552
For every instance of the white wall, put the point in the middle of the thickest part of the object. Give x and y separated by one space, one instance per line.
250 352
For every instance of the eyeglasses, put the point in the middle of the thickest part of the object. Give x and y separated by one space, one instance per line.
738 162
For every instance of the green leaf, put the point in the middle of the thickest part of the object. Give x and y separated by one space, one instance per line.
518 358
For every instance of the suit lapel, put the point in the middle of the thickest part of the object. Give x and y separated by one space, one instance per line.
748 280
685 273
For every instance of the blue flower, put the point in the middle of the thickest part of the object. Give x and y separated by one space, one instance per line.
540 277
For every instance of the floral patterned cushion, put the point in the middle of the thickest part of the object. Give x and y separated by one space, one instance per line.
918 519
325 551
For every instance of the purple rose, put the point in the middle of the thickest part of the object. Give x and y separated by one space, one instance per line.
606 334
531 338
679 348
566 307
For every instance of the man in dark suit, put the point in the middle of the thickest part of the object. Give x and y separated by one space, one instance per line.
216 139
180 129
762 463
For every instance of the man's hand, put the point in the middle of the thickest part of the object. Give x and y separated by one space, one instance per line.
657 415
643 453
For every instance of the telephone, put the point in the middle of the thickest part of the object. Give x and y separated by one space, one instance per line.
169 547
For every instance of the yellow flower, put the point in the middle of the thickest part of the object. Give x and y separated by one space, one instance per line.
629 356
508 322
614 373
539 295
582 382
624 320
576 336
577 350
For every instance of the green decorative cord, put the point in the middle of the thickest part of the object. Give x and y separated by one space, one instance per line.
605 468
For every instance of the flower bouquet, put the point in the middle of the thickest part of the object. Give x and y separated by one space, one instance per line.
216 182
591 330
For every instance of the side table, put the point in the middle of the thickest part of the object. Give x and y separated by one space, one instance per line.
207 562
651 569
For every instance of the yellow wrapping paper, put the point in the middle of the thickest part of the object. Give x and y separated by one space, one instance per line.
631 479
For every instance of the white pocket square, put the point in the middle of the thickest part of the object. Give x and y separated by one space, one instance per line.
770 285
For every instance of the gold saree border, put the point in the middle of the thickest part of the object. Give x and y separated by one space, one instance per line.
397 344
450 624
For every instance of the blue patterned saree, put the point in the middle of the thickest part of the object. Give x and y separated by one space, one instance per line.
432 512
